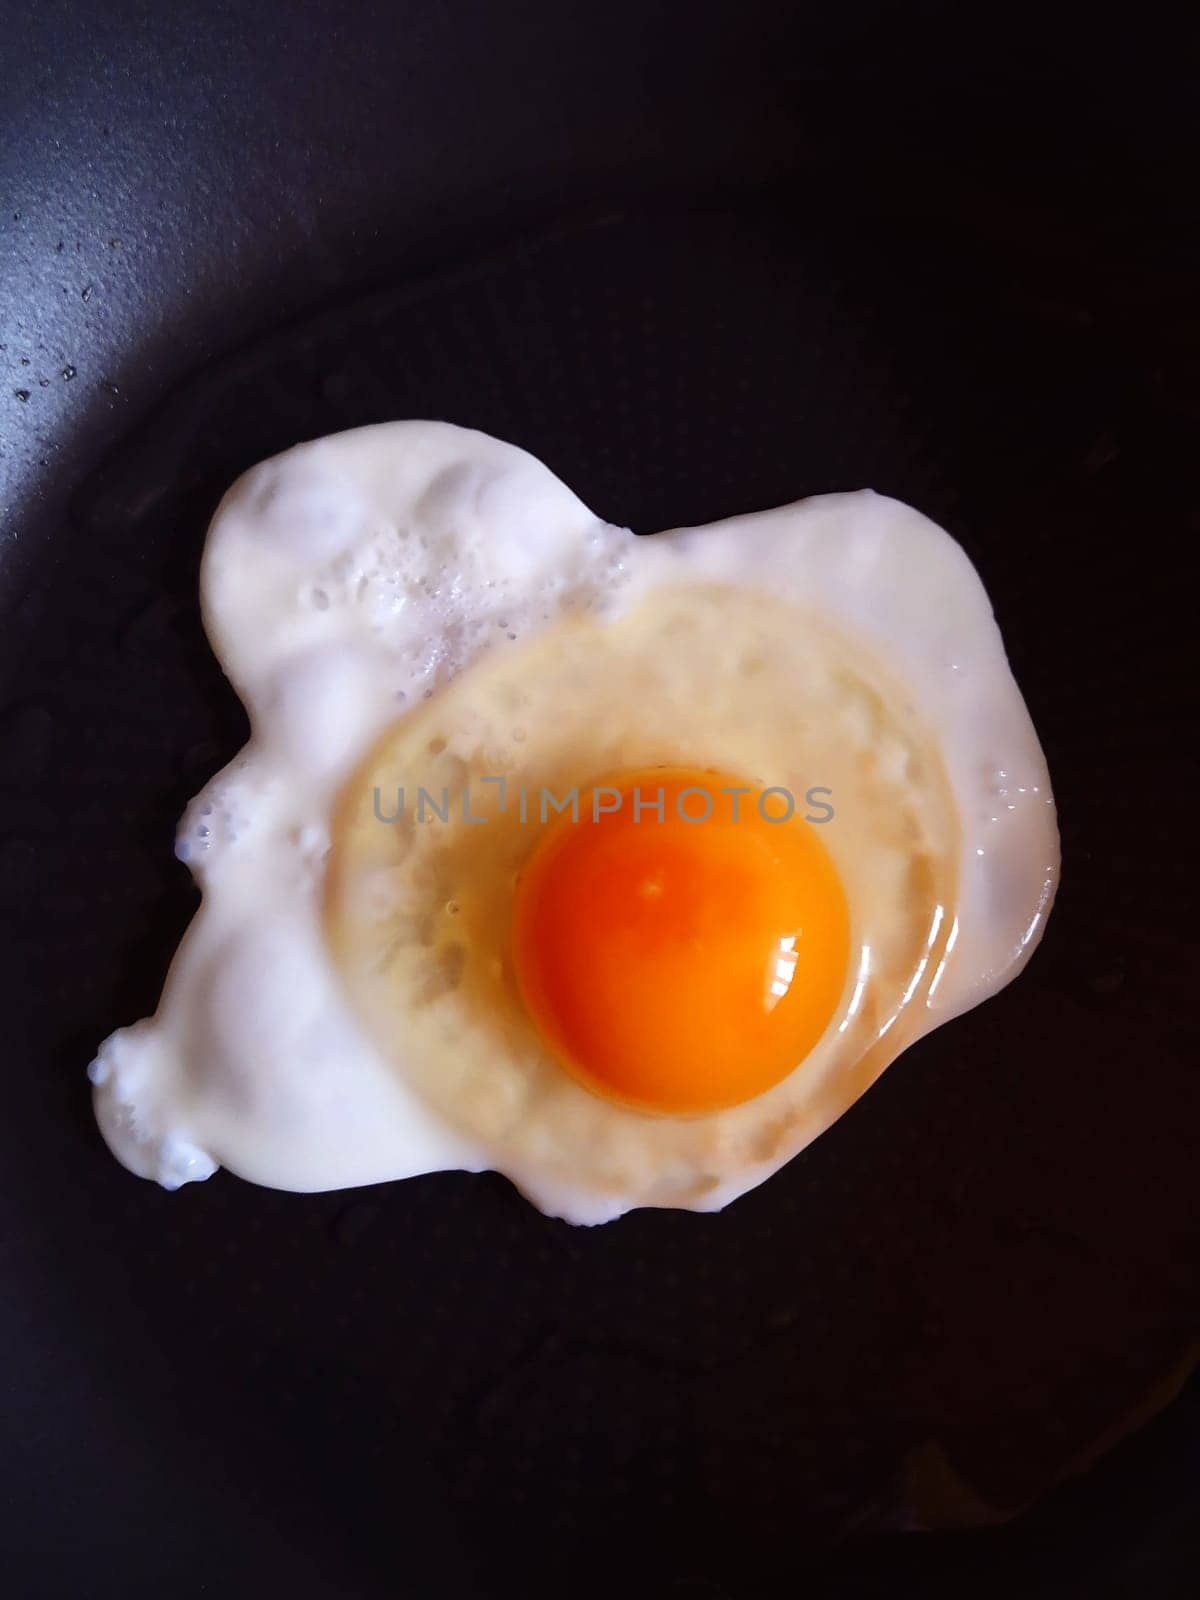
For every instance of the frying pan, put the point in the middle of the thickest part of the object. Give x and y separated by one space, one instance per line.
700 260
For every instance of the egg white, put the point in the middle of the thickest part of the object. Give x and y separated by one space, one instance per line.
348 580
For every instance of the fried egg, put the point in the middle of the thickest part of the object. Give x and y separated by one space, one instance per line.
621 866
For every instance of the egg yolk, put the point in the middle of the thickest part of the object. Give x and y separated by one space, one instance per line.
681 946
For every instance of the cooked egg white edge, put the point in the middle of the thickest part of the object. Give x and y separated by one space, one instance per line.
253 1058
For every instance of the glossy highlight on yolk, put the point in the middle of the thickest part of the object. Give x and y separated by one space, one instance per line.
680 966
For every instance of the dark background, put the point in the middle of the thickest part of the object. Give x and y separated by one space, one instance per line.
702 259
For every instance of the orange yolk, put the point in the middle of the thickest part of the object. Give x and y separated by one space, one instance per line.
681 965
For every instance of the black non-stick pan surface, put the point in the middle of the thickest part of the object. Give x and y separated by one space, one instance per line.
700 260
